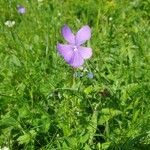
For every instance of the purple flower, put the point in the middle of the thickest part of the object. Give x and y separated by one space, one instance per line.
73 53
21 9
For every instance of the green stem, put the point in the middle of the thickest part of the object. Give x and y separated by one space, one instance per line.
73 78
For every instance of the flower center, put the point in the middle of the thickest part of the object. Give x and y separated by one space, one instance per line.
75 48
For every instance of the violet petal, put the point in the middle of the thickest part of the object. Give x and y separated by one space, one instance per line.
85 52
66 51
83 35
76 60
68 35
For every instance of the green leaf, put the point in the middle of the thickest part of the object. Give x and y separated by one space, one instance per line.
24 112
88 90
7 122
107 114
45 121
24 139
15 60
72 141
103 146
27 137
87 147
84 138
92 126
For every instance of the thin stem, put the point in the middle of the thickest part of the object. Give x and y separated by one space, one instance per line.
73 78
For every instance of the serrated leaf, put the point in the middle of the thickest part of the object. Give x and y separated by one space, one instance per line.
107 114
24 139
72 141
92 126
84 138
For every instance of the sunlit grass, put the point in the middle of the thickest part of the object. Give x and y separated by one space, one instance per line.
44 105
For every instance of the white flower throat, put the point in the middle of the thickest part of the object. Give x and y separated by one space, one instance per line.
75 48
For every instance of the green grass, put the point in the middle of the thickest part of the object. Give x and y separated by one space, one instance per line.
40 107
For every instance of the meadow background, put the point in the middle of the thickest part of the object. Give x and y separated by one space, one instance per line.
40 107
